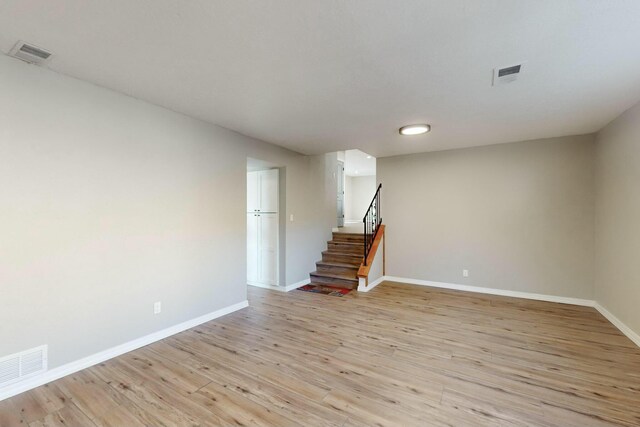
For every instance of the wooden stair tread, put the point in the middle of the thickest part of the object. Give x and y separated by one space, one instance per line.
351 237
346 243
334 275
346 251
339 264
346 247
336 285
344 256
331 251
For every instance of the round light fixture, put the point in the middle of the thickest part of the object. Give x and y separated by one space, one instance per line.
414 129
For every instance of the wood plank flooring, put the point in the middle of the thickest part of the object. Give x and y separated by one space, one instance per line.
399 355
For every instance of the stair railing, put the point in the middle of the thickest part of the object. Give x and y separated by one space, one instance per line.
372 220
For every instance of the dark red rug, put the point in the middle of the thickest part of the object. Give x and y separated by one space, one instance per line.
325 290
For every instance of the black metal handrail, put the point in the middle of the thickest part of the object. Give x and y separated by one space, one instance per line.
372 220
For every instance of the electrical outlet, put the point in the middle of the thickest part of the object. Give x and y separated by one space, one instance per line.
291 217
465 273
157 307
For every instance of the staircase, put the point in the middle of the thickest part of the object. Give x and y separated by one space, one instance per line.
340 262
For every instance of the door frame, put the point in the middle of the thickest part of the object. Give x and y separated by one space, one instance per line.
279 215
340 188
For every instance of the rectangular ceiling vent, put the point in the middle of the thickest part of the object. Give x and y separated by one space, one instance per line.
30 53
19 366
504 75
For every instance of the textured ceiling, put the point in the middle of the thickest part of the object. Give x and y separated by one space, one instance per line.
318 76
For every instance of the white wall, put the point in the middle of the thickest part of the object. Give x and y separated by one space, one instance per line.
518 216
108 204
359 193
348 189
618 218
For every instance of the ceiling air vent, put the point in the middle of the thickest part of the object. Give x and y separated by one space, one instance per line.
19 366
30 53
507 74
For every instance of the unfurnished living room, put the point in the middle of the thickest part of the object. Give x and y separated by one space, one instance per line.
326 213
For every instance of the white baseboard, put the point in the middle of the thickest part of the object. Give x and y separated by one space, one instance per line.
281 288
78 365
297 285
633 336
492 291
618 324
363 288
262 285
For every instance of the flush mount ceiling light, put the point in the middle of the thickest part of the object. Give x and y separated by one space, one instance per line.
414 129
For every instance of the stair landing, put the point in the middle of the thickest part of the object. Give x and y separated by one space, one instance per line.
355 228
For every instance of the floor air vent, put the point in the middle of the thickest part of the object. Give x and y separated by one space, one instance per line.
19 366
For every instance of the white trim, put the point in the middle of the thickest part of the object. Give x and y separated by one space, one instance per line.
265 286
627 331
363 288
619 324
492 291
281 288
110 353
297 285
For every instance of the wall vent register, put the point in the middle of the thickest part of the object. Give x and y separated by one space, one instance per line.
504 75
19 366
30 53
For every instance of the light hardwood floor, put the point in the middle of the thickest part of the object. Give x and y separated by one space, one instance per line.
399 355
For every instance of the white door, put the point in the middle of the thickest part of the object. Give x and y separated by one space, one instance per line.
268 191
340 201
262 228
252 247
268 249
253 191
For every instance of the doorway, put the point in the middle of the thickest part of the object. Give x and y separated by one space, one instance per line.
340 193
359 186
263 223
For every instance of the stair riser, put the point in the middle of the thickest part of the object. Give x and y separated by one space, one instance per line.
345 258
337 283
348 249
341 282
351 238
334 269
